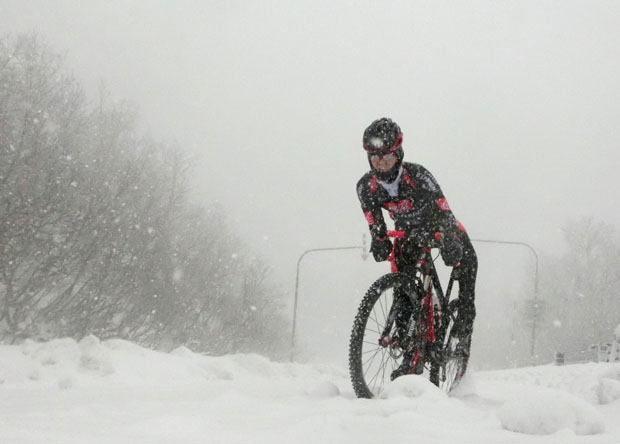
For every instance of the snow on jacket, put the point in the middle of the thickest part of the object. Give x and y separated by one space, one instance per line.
414 200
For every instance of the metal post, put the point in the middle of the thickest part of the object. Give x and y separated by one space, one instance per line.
297 286
533 345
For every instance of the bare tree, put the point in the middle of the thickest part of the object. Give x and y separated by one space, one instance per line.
97 235
581 289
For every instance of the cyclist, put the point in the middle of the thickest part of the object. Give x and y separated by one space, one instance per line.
417 205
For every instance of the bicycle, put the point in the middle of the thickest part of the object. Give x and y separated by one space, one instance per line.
381 339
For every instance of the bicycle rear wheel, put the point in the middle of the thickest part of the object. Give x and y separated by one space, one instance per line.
372 362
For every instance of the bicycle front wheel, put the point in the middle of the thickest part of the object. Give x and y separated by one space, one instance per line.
377 346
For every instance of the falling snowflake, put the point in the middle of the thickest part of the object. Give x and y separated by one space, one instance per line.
177 275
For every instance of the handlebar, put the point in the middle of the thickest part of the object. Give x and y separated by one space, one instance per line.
422 239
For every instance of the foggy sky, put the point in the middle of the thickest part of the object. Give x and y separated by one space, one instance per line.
513 106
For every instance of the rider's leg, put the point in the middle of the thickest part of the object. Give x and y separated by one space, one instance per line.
404 265
464 324
405 310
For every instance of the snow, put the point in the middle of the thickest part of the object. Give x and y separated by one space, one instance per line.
115 391
543 411
377 142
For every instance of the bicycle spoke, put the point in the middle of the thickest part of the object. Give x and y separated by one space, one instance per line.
377 320
373 331
380 370
374 320
383 301
376 366
372 380
370 359
385 363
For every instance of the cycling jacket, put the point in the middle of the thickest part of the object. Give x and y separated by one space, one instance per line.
414 200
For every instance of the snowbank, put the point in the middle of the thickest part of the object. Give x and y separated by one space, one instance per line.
543 411
114 391
65 363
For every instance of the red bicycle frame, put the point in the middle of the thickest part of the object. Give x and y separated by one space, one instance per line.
428 304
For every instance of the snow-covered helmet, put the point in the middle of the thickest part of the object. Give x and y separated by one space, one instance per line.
383 136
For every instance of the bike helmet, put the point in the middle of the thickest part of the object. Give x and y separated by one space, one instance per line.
382 137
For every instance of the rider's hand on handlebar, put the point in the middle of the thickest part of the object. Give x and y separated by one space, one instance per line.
381 248
452 250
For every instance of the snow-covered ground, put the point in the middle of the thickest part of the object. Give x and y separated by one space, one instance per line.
116 392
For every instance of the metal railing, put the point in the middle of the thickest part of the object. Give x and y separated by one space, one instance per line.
365 255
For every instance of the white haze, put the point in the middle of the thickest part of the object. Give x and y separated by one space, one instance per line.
513 106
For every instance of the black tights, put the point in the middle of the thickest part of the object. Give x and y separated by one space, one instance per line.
466 281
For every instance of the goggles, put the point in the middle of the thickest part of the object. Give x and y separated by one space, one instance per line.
398 143
389 157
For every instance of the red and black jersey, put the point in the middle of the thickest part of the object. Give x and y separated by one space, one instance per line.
417 205
414 200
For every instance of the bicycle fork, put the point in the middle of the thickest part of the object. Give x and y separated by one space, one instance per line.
385 339
426 336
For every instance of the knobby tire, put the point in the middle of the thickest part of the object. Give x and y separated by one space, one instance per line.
371 364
